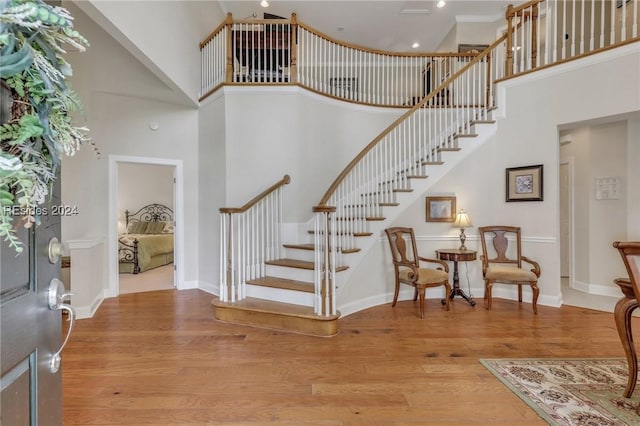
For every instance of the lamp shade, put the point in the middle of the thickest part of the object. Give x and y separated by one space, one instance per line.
462 220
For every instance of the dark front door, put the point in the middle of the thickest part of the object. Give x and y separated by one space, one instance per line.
30 331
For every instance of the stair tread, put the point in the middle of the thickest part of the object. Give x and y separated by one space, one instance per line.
355 234
370 218
300 264
284 283
270 306
311 247
378 205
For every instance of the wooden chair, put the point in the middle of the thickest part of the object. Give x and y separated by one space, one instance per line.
406 263
506 266
630 252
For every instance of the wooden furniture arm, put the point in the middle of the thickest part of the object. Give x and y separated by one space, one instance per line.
413 275
442 263
536 265
485 264
622 315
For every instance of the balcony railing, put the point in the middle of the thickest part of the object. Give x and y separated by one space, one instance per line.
286 51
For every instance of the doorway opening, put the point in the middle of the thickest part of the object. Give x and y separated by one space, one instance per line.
144 193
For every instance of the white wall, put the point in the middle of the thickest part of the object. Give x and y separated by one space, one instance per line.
633 175
599 150
118 114
578 152
212 184
142 184
273 132
470 33
608 218
164 35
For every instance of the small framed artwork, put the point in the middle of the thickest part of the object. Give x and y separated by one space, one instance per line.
472 48
441 209
524 183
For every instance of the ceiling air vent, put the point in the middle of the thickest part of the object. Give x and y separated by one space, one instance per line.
415 12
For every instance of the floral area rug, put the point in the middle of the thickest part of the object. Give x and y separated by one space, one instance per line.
571 391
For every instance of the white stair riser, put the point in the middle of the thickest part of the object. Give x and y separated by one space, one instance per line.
280 295
290 273
306 255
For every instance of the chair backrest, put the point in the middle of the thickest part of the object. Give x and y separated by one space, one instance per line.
499 237
630 252
402 242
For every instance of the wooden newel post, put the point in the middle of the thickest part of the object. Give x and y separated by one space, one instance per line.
509 55
229 25
325 287
294 49
534 36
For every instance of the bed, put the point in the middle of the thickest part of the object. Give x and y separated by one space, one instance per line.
147 242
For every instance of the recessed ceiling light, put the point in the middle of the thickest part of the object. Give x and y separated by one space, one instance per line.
264 3
415 45
441 3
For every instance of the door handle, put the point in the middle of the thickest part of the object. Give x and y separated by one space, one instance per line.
56 298
57 249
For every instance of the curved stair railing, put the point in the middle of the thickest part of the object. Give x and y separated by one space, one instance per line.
249 236
286 51
403 151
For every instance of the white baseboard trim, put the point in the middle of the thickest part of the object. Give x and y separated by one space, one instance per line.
509 292
597 289
209 288
188 285
84 312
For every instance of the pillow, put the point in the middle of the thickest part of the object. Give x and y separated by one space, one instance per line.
154 227
168 228
137 227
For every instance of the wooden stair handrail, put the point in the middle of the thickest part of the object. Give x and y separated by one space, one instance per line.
377 51
216 31
255 200
512 11
403 117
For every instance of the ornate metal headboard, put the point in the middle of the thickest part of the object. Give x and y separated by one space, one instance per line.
150 213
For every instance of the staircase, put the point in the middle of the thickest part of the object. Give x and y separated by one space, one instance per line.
295 287
283 298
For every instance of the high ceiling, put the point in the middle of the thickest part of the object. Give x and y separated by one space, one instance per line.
392 25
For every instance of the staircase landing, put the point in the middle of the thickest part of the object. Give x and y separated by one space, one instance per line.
276 315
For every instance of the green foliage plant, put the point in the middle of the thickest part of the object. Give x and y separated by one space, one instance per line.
36 129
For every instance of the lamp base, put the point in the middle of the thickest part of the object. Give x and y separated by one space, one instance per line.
462 240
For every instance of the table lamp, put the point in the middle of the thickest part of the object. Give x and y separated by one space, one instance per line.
462 221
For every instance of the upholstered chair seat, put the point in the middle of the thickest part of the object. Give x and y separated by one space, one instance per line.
407 268
502 264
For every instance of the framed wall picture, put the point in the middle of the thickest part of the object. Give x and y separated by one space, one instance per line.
524 183
441 209
472 48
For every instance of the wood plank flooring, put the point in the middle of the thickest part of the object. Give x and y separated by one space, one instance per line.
159 358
